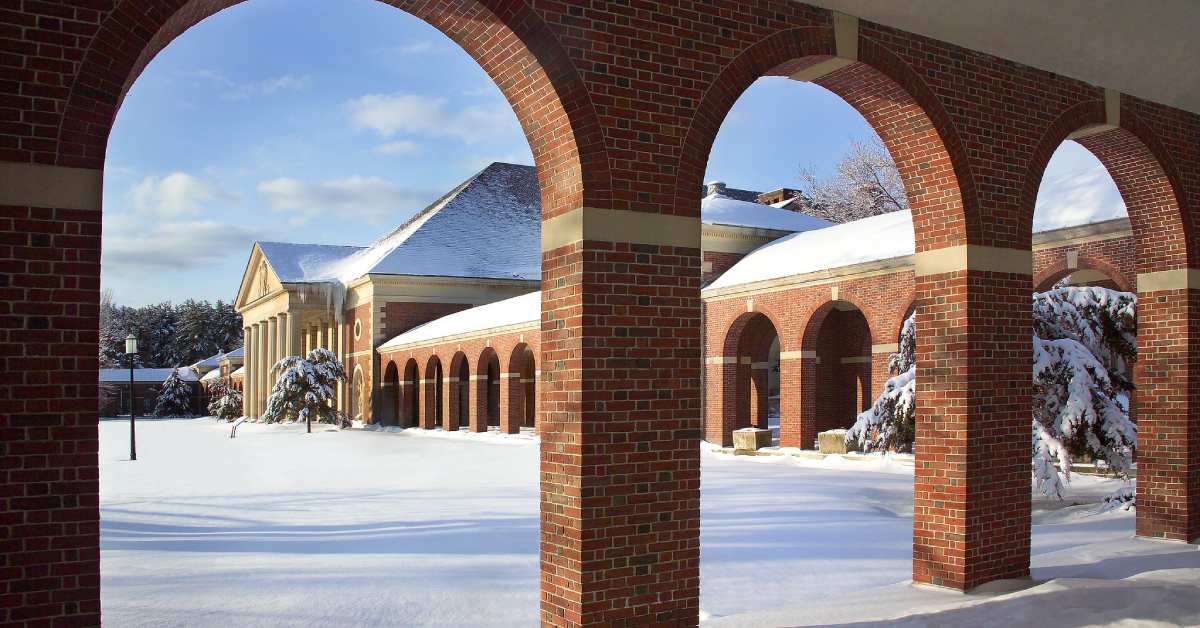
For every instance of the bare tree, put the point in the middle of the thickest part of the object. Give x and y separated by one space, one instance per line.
866 183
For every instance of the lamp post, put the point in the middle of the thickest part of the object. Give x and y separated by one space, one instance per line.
131 351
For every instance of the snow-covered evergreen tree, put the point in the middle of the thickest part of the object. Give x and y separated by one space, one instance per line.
306 389
889 424
226 401
174 398
1083 344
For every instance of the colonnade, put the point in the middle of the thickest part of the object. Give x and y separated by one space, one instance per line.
271 339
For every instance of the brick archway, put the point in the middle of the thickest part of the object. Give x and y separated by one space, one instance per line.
835 369
410 415
433 413
1155 196
389 403
487 391
739 378
457 396
1051 275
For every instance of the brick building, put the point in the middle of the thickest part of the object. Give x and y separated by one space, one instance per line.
473 246
620 103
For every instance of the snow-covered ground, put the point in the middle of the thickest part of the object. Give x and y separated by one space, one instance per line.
355 528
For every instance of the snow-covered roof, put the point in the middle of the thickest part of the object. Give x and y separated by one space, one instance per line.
211 362
240 352
240 372
526 308
719 209
211 375
155 375
296 263
870 239
488 227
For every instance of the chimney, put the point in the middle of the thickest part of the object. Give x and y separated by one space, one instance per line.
775 196
716 187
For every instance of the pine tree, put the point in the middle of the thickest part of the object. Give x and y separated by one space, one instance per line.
174 398
1083 344
889 424
306 389
226 401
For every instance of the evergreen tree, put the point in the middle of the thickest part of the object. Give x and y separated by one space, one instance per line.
168 335
174 398
226 401
1083 344
889 424
306 389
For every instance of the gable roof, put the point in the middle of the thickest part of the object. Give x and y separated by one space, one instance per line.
144 375
298 263
489 226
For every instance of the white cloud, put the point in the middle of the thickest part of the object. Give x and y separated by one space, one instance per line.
267 87
416 48
389 114
370 198
1076 189
176 194
132 244
399 147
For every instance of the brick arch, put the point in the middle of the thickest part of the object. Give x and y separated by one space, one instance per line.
736 331
1145 176
894 100
433 412
457 392
410 408
1052 274
812 324
487 395
390 395
512 44
896 324
513 392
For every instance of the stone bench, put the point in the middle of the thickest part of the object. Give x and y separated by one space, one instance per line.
834 442
751 439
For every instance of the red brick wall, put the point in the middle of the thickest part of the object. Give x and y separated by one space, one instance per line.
720 262
621 103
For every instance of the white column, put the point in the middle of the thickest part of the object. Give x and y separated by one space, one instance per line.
291 347
342 351
308 340
263 391
247 360
319 336
272 352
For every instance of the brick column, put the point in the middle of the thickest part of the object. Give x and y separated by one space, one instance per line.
1168 379
790 389
620 462
49 296
972 497
880 354
798 399
512 402
720 399
479 409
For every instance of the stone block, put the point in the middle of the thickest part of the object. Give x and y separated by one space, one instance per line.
751 439
834 442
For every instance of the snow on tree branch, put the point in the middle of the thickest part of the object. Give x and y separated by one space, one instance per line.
306 389
1084 341
866 183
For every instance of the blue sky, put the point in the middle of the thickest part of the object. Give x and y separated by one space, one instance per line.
323 121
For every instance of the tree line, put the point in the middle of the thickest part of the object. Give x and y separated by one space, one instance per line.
168 334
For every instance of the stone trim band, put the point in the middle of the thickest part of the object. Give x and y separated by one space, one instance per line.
618 225
973 257
40 185
1177 279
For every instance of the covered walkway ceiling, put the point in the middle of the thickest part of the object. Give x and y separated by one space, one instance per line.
1146 49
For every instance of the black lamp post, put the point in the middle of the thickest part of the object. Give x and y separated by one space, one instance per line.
131 351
